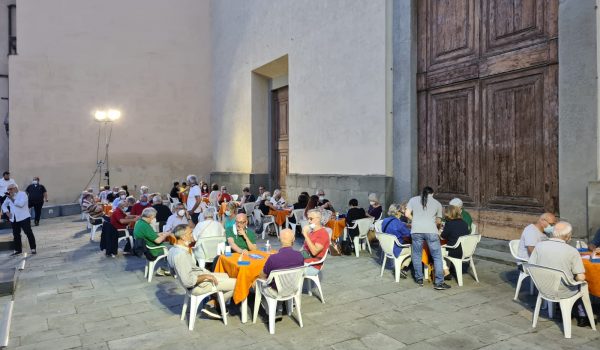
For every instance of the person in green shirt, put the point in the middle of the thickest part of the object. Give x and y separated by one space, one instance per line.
143 230
239 237
457 202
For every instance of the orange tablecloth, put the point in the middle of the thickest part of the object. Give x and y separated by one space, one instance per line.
592 276
184 198
425 258
244 275
337 227
280 215
107 208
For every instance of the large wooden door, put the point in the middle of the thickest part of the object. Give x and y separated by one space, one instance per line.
487 82
280 132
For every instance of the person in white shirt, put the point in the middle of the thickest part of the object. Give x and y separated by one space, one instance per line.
179 217
4 182
121 196
207 228
194 200
535 233
277 200
16 208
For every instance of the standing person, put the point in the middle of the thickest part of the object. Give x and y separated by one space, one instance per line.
113 195
426 213
175 190
15 207
5 181
194 199
37 196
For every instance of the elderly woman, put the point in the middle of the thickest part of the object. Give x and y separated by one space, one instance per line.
277 200
393 225
229 215
179 217
375 209
143 230
213 197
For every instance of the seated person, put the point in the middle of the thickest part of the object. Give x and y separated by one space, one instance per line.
141 205
457 202
316 242
179 217
558 254
119 218
113 195
277 199
247 197
175 190
286 257
162 212
96 212
194 278
393 225
354 213
239 237
224 196
204 192
453 229
323 202
229 215
265 203
209 227
595 242
213 197
121 196
301 204
375 209
87 199
143 230
535 233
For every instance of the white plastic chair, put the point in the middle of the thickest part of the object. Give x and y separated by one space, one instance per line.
298 215
210 247
473 229
468 244
249 209
289 289
93 228
387 243
315 279
235 197
514 248
173 202
364 225
194 302
377 225
266 220
150 265
548 280
126 236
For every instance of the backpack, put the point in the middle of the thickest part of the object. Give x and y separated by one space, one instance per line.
139 249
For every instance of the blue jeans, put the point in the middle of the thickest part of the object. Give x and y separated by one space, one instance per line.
433 242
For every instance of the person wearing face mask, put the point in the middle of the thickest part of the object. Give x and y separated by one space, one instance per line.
140 206
15 208
179 217
204 191
535 233
316 242
323 202
113 195
375 209
143 230
121 196
277 199
223 195
240 238
354 213
37 196
162 211
229 215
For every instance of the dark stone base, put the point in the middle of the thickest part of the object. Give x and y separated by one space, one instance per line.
339 189
235 182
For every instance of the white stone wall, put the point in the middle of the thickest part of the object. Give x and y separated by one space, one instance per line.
337 83
149 58
4 81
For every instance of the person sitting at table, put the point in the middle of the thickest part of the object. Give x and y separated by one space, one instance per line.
323 202
229 215
558 254
316 242
224 196
394 226
162 211
595 242
196 279
141 205
143 230
535 233
174 193
457 202
204 190
113 195
247 197
354 213
265 203
300 204
96 212
144 190
454 227
375 209
120 219
179 217
313 203
277 199
130 203
213 197
209 227
87 199
121 196
240 238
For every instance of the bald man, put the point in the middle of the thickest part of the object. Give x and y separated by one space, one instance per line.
286 257
535 233
239 237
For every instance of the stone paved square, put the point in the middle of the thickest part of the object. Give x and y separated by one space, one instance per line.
70 296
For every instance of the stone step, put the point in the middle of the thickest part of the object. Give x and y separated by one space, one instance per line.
7 281
6 241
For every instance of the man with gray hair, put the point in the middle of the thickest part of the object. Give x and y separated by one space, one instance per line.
179 217
194 278
209 227
143 230
194 200
16 209
556 253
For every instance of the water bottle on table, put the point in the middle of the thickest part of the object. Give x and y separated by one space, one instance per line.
267 246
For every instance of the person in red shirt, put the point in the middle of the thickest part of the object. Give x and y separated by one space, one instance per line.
316 241
139 207
119 218
224 196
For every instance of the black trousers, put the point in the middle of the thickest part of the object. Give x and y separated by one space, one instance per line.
37 208
194 217
2 199
25 225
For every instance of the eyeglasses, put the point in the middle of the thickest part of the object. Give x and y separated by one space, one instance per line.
241 222
313 218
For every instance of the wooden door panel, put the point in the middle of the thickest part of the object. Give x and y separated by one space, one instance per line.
280 137
451 160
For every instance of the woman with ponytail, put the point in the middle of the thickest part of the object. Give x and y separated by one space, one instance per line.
425 213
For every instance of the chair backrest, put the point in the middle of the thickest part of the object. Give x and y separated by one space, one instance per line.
377 225
249 208
298 215
473 229
547 280
514 249
210 246
363 226
326 215
173 200
387 242
329 232
288 281
257 215
468 244
235 197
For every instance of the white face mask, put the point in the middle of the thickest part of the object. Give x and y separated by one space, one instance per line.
372 203
227 212
312 226
321 198
123 197
153 221
181 212
35 182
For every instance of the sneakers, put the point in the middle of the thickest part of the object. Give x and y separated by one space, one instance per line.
33 251
420 282
448 277
211 311
16 254
441 286
583 321
162 272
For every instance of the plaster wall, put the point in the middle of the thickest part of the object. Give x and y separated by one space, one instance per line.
337 79
148 58
4 58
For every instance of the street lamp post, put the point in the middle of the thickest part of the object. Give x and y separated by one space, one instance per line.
106 118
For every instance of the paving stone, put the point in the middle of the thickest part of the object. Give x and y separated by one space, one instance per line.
381 342
54 344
